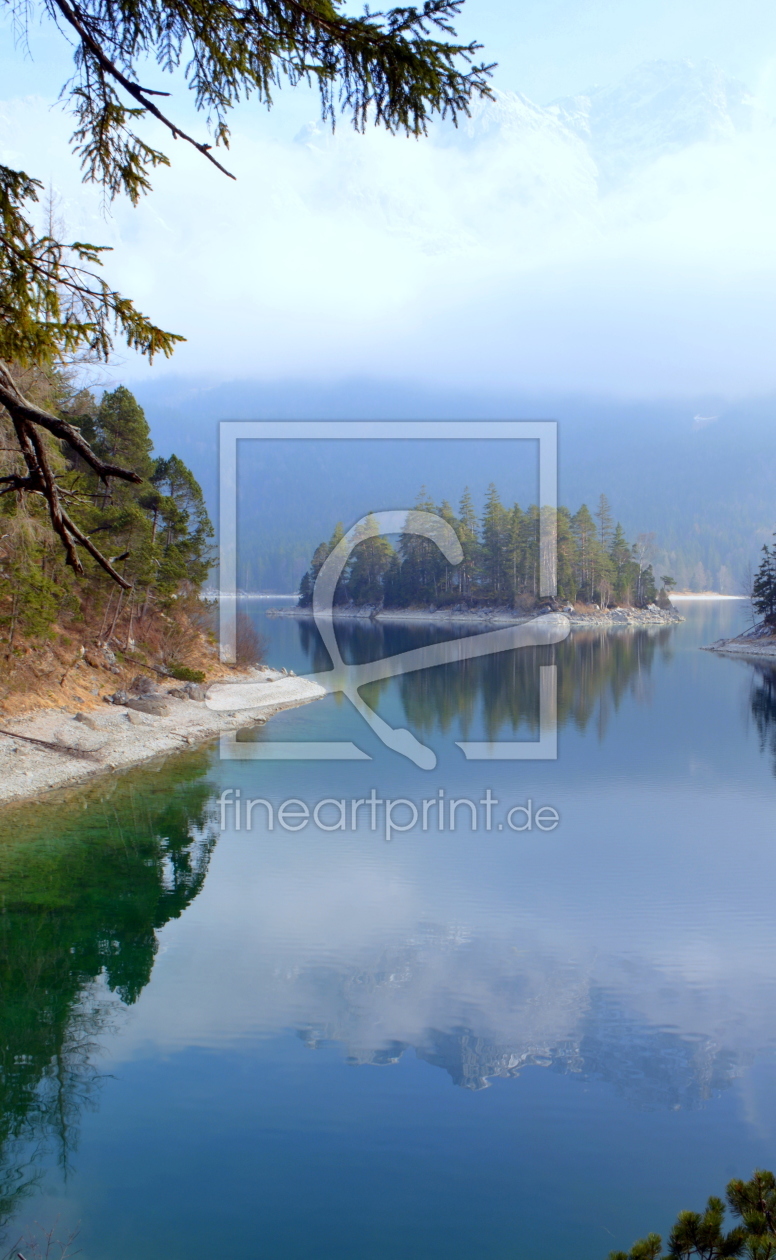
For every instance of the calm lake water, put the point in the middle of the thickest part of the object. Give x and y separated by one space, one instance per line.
513 1045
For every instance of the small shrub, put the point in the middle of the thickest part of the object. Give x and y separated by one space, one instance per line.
251 646
183 674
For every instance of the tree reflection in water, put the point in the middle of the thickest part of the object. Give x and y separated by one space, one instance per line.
762 700
596 669
85 884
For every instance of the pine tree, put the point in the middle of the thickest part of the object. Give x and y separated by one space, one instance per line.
586 539
321 554
186 527
622 566
158 532
604 517
502 565
702 1235
368 567
468 536
495 544
567 585
764 585
451 574
515 549
121 432
423 565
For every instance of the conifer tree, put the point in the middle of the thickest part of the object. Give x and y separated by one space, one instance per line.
322 553
567 585
501 560
515 548
186 527
121 432
451 574
622 565
367 569
604 516
156 535
468 536
584 534
702 1235
494 544
422 563
764 585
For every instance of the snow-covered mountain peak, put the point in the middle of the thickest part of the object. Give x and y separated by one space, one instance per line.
658 109
662 107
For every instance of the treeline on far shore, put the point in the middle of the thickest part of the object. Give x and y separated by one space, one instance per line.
596 564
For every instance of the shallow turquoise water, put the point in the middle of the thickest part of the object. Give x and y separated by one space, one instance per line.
522 1045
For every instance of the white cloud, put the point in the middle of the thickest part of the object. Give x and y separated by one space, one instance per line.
496 254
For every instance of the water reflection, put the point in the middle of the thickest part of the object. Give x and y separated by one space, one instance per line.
84 886
596 669
622 965
479 1011
762 700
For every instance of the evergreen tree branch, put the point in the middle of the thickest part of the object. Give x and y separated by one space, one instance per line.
77 20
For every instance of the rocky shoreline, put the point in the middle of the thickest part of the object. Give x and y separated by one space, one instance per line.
608 619
757 642
55 748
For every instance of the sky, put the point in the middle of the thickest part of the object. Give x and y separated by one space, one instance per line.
636 261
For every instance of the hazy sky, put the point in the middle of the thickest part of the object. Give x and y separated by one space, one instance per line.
494 257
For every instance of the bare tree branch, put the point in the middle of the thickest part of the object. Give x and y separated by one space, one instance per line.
41 479
20 408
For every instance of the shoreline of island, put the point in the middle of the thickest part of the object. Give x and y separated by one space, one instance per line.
608 619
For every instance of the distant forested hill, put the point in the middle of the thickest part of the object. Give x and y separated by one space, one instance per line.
700 473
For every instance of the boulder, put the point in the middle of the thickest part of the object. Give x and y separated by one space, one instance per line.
189 691
140 719
142 685
157 706
195 691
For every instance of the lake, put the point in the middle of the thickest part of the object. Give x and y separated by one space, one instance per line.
506 1042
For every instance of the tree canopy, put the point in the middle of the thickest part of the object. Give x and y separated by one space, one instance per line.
396 69
500 560
703 1234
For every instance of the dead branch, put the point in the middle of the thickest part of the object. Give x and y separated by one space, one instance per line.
41 479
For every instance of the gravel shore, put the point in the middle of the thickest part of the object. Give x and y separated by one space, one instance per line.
612 618
52 748
763 647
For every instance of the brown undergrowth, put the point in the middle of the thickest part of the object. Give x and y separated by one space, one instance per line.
76 665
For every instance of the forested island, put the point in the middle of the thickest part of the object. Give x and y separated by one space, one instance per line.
596 564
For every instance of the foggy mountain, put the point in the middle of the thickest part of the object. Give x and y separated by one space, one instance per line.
700 474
